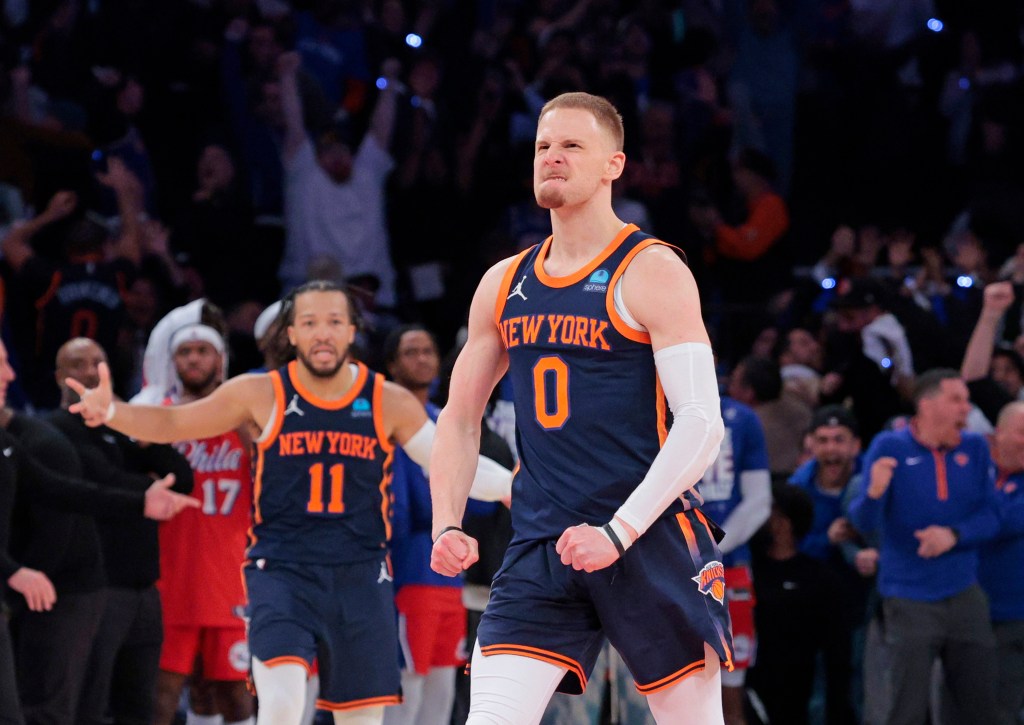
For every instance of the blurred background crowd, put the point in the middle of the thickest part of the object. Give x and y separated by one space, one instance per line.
845 177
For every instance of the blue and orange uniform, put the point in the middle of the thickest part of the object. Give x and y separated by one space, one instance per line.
591 417
1005 553
318 577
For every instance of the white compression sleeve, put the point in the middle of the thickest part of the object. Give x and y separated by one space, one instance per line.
752 511
687 373
492 482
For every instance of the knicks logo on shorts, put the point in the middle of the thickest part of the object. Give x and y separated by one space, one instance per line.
711 581
238 656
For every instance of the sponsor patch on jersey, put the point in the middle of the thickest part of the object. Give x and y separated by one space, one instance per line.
361 407
238 656
598 281
962 459
711 581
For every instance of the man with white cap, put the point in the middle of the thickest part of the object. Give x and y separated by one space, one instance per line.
201 555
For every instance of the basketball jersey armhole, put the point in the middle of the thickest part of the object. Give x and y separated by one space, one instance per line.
378 413
621 326
506 283
273 426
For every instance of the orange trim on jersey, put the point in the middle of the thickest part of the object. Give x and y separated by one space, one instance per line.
661 410
385 495
941 481
538 654
665 682
506 284
357 704
288 660
50 292
378 414
279 406
346 399
617 322
688 533
703 520
587 269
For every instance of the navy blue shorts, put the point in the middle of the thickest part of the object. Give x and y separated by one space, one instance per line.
657 605
343 616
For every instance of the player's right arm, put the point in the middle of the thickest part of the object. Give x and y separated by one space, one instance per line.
238 401
453 461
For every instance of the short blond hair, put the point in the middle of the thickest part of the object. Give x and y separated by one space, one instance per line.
607 115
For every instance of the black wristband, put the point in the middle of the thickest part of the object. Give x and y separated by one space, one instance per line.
445 530
607 528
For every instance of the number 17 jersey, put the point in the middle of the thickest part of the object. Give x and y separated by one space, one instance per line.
322 485
590 411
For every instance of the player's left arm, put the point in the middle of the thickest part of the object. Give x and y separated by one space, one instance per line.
414 431
661 294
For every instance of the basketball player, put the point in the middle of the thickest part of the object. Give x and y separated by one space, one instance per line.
201 554
597 327
318 579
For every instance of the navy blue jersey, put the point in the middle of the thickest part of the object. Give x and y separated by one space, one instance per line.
321 487
590 412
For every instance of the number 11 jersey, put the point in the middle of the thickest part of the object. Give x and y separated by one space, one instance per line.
322 482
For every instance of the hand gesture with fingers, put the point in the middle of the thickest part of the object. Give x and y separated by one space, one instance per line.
162 503
36 587
454 551
881 475
94 403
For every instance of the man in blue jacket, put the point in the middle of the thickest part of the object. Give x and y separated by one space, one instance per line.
930 491
1002 560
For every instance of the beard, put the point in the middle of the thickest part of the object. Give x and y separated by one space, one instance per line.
319 372
195 385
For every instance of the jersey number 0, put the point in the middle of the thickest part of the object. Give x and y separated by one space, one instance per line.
551 411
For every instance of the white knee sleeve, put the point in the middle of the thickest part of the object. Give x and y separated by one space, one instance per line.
509 689
696 700
282 693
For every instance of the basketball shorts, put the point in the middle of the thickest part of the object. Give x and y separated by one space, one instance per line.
342 617
657 605
210 653
431 627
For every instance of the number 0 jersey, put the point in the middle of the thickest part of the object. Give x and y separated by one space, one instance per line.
323 474
590 412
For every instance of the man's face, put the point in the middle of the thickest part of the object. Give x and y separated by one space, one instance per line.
80 360
335 158
804 349
834 447
6 375
322 332
1009 442
1004 372
198 364
574 157
416 362
947 409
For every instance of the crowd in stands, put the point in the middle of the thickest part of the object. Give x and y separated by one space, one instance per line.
845 178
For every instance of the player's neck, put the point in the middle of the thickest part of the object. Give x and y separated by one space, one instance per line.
580 233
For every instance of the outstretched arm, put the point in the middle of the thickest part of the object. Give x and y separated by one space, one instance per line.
17 245
227 408
288 65
454 459
978 355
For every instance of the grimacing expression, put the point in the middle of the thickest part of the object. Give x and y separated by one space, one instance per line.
948 408
574 156
834 445
322 331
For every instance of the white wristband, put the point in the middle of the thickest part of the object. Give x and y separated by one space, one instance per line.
110 412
